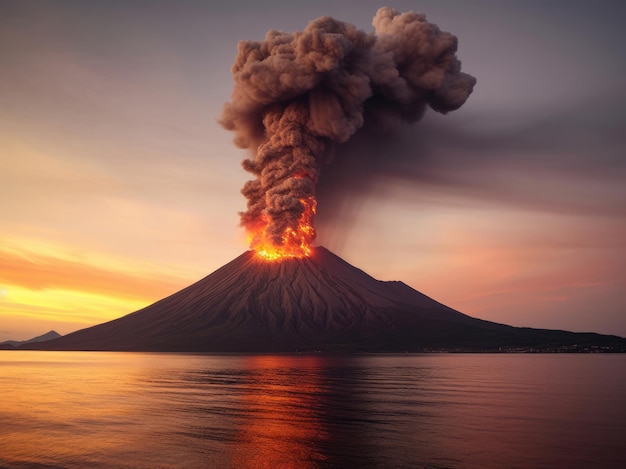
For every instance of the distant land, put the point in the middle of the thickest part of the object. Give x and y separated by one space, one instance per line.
11 344
313 304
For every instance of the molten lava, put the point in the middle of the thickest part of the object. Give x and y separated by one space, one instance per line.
295 243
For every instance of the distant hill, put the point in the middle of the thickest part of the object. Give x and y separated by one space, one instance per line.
318 303
9 344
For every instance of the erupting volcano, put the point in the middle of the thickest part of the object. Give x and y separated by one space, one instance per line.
296 96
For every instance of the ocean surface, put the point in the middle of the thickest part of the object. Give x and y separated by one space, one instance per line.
101 409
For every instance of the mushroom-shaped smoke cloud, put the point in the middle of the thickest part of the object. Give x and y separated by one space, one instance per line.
297 94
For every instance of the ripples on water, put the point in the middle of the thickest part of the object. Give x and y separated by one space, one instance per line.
76 409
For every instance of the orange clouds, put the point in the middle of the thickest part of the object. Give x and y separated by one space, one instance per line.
52 287
38 271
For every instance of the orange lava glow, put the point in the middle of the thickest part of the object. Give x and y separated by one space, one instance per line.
296 243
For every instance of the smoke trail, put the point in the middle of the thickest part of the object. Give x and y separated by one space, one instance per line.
296 94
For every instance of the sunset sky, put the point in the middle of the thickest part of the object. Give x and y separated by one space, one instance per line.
119 187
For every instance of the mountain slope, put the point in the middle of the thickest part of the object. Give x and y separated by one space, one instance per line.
316 303
8 344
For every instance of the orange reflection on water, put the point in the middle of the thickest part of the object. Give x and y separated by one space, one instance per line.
54 394
284 425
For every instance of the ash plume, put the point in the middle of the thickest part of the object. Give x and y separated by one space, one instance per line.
297 94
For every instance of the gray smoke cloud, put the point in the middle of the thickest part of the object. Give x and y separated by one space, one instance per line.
298 94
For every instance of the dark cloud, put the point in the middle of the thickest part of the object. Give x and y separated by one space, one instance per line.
298 94
569 162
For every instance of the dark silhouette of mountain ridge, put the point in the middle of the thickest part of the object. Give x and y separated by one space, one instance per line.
9 344
319 303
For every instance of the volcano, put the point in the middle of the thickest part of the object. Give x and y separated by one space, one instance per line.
316 303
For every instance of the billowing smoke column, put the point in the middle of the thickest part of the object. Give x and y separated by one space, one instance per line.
296 94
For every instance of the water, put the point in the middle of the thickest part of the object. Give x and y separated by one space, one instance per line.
95 409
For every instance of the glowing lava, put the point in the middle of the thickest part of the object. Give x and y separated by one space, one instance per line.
295 243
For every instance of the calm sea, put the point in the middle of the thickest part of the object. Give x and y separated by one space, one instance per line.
96 409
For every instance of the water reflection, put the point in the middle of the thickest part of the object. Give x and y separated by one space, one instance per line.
314 411
282 427
70 409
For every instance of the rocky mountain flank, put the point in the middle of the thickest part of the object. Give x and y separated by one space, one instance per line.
319 303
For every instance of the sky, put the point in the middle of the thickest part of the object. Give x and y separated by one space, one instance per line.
118 186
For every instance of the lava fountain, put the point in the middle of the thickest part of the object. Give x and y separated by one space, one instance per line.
295 242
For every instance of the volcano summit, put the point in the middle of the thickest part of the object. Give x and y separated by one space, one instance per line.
315 303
